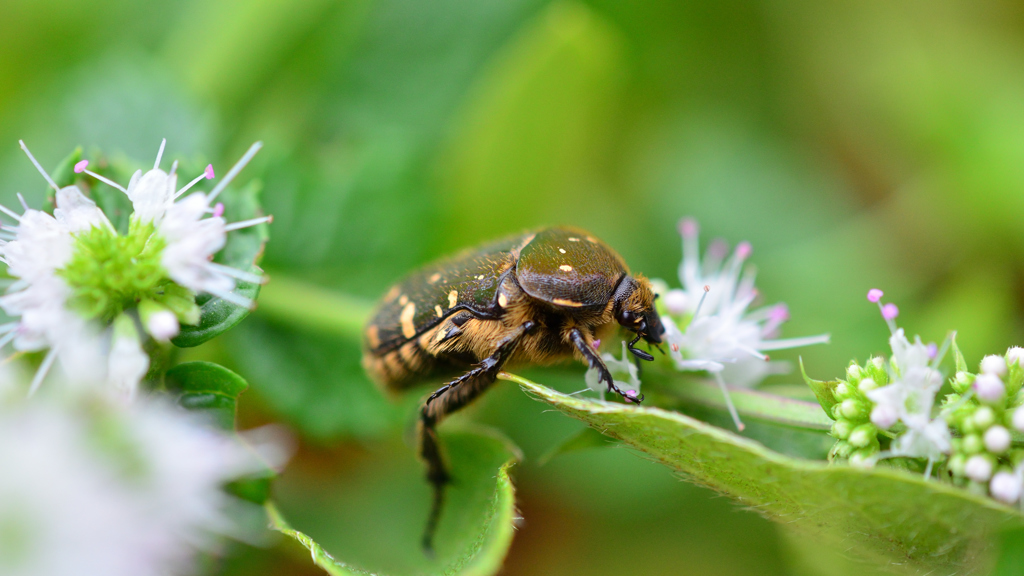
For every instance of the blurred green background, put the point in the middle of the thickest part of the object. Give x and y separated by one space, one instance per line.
855 144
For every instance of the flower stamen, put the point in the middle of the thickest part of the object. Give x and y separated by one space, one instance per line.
44 369
248 223
39 167
234 171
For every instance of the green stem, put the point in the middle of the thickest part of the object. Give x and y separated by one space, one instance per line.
304 305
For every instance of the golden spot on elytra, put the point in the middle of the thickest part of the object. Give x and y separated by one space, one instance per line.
502 299
453 297
591 239
373 336
434 277
480 277
437 309
408 330
392 294
403 300
574 239
562 250
564 302
565 268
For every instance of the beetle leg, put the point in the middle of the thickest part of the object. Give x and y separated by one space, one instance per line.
448 399
594 361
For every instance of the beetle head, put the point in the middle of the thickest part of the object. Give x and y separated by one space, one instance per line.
634 309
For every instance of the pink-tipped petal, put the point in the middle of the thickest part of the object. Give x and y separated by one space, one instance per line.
209 172
81 166
743 250
631 393
718 248
218 210
890 311
874 295
933 350
688 228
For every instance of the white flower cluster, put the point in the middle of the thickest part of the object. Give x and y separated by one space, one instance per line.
39 248
111 491
710 326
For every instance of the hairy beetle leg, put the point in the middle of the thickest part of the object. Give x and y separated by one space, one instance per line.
446 400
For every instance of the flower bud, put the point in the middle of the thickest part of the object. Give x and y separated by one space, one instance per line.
841 429
852 409
854 372
884 416
1005 487
1015 355
989 387
1018 419
842 391
861 459
993 364
863 435
842 449
983 418
957 464
978 468
962 382
972 444
867 384
997 439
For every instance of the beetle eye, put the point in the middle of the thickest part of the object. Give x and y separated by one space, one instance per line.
627 318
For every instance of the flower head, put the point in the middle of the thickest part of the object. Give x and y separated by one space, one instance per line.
82 288
116 492
710 326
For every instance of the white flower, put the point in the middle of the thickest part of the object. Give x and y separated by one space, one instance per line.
118 493
989 387
723 335
1015 355
1018 419
623 368
912 392
65 301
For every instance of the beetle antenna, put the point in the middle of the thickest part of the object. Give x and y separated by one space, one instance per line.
702 299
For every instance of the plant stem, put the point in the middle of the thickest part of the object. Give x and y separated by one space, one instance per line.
305 305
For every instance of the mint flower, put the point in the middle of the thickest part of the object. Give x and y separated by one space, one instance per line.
709 324
114 492
620 368
83 290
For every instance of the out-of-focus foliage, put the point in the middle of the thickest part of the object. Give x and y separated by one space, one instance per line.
854 144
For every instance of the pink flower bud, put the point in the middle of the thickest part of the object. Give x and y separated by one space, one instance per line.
209 172
1005 487
688 228
890 311
874 295
81 166
989 387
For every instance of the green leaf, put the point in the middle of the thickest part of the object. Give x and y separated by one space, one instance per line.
823 391
216 315
890 518
209 388
961 364
243 251
376 526
584 439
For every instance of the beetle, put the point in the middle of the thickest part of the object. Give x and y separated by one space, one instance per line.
535 298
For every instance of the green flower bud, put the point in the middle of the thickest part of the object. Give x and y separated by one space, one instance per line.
863 435
984 417
957 464
962 382
973 444
837 411
862 459
853 409
841 429
842 449
842 391
867 385
854 372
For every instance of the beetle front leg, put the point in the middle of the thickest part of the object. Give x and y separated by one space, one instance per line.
594 361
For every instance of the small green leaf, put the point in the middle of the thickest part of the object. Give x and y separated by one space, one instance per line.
377 523
208 388
823 391
584 439
893 519
243 251
961 364
217 316
64 173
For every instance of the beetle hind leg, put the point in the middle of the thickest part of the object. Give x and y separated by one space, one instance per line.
448 399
